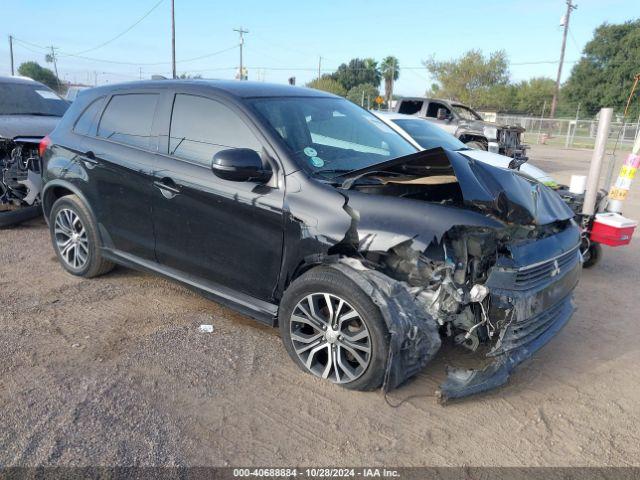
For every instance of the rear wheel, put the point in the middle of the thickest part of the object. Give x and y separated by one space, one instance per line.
333 330
75 238
591 255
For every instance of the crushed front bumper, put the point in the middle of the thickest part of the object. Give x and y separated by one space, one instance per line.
535 302
463 382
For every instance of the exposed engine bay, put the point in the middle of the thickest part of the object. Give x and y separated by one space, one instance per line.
20 180
495 277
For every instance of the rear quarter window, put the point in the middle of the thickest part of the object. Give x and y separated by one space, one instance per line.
86 123
128 119
410 107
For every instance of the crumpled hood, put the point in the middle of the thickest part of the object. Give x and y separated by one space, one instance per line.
30 126
503 161
509 195
505 194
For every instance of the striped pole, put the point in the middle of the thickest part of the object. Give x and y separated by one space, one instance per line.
621 188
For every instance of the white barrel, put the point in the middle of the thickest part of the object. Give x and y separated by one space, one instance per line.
578 184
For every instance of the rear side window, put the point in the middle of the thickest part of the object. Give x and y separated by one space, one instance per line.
201 127
410 107
85 125
128 119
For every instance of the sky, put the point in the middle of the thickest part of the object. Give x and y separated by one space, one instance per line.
287 37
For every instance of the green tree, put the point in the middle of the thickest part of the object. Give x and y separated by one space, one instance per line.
604 75
390 71
358 71
472 79
327 84
363 95
39 74
531 95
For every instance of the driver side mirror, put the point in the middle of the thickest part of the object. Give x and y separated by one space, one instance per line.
442 114
240 165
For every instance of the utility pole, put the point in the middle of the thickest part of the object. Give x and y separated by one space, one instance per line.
241 31
173 39
319 66
393 74
554 101
11 53
55 64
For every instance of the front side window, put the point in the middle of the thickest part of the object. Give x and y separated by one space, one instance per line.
331 135
128 119
201 127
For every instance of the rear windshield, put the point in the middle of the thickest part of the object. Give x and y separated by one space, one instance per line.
329 136
27 99
428 135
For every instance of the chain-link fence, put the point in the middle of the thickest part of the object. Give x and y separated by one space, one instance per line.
571 133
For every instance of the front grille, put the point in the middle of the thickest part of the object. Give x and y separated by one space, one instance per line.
523 331
509 138
533 276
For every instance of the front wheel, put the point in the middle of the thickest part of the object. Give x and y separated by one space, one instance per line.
333 330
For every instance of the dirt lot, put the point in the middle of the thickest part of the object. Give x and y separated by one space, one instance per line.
113 371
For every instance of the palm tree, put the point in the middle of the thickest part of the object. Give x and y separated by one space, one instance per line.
390 69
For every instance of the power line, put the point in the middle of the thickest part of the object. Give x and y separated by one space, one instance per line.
27 45
127 30
30 44
117 62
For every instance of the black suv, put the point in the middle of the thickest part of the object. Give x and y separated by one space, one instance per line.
302 210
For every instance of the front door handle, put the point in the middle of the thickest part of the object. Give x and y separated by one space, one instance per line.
167 187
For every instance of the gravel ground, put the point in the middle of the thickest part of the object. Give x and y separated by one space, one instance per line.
113 371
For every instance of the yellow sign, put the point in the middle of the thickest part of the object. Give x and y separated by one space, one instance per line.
379 99
618 193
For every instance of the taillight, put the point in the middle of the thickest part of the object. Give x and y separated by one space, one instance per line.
44 143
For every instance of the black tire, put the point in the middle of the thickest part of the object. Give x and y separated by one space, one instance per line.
327 280
593 255
95 264
12 218
477 145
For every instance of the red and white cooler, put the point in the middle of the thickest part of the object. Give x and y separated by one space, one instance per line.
612 229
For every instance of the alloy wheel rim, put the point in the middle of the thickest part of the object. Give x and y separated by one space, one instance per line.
330 337
71 238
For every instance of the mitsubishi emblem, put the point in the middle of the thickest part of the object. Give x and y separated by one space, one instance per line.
556 269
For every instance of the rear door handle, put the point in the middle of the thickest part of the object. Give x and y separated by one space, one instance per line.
167 187
89 159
